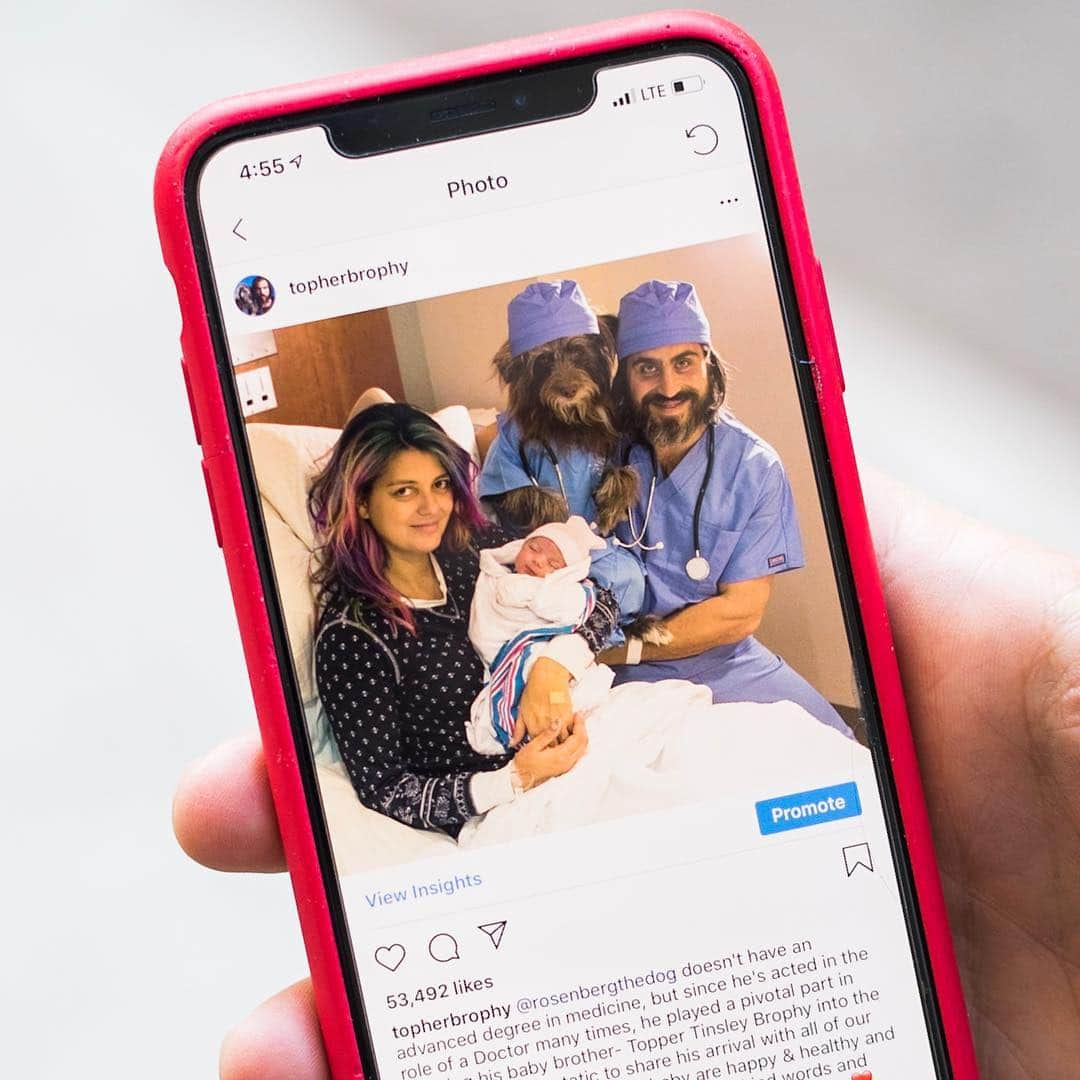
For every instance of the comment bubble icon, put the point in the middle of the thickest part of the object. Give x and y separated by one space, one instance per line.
444 948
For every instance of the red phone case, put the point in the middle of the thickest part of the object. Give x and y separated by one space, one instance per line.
234 530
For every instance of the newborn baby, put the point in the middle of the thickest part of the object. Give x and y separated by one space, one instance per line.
528 592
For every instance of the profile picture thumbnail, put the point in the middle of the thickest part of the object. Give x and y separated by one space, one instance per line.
254 295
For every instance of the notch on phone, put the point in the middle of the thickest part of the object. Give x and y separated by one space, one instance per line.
431 116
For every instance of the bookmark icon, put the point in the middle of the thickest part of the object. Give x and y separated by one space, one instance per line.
857 856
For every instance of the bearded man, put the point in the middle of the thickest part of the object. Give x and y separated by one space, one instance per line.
715 517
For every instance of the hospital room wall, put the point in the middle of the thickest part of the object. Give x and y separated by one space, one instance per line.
460 334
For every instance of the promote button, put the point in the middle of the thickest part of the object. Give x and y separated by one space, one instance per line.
808 808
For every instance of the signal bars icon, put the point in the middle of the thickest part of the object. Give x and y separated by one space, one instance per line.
628 98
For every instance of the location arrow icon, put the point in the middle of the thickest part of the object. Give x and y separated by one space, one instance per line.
494 930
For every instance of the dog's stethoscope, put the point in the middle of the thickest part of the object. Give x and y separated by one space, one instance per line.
552 457
697 566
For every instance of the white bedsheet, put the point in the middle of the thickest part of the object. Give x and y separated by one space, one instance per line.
651 746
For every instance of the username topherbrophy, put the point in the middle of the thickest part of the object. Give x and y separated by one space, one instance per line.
350 276
419 889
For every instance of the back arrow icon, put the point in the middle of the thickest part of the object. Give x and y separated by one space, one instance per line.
236 229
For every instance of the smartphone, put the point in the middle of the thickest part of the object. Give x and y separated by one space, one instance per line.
561 288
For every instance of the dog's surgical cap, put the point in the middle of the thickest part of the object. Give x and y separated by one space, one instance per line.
660 313
547 310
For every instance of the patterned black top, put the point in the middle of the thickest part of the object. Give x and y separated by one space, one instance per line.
397 702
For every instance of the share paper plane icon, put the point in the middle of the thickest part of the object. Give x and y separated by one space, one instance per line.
494 930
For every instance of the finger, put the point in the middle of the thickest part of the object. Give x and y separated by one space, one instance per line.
519 731
574 748
223 815
279 1041
576 741
559 716
544 738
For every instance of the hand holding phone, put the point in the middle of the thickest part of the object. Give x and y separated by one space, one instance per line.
224 819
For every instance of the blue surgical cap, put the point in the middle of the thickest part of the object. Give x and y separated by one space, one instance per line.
547 310
660 313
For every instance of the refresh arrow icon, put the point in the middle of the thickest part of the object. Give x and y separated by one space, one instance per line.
705 137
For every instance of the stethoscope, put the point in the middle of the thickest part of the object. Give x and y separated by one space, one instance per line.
551 456
697 566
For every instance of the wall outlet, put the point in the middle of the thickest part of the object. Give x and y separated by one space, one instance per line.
256 390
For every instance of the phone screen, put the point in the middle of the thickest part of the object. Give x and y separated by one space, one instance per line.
546 522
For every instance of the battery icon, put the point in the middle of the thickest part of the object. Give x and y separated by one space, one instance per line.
688 86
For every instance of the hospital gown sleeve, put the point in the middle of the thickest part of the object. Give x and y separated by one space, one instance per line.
620 570
490 789
769 541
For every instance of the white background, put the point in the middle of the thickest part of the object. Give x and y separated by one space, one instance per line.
933 147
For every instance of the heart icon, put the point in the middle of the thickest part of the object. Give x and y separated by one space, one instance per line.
391 957
866 1074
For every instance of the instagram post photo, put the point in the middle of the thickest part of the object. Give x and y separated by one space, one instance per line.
551 556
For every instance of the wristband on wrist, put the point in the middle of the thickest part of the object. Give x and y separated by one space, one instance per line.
633 650
516 782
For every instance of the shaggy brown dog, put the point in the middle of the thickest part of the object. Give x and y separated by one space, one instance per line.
560 396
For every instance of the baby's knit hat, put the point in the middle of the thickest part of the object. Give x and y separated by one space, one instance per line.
573 538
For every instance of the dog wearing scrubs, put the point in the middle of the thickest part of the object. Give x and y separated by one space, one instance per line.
553 454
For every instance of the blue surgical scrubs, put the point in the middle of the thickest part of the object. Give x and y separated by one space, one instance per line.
614 568
581 470
622 572
748 530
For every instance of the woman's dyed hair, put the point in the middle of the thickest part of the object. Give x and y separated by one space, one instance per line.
350 558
